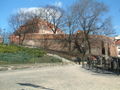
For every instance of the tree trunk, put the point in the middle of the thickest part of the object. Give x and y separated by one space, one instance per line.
88 42
19 40
89 46
23 38
83 59
69 47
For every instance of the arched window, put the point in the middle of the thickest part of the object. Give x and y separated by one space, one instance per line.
103 51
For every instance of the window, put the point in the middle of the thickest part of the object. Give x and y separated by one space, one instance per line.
108 51
103 51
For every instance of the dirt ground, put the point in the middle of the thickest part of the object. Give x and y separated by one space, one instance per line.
66 77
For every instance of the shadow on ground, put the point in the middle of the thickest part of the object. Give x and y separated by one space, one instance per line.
34 86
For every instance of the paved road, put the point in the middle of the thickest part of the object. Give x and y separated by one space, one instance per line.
69 77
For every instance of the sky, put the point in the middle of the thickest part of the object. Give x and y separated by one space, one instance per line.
7 7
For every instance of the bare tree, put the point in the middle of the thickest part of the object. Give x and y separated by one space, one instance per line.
23 23
1 30
69 27
1 34
16 21
53 17
106 30
90 18
4 36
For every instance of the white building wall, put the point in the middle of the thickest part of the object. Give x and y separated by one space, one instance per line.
118 50
118 46
118 37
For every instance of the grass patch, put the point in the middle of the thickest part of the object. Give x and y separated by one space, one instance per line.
11 54
46 59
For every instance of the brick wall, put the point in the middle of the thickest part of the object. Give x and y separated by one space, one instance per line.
59 43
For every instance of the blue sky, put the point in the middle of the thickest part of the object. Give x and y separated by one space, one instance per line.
7 7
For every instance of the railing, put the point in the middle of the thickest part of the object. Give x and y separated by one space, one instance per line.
100 64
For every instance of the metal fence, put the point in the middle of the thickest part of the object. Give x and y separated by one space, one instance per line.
99 63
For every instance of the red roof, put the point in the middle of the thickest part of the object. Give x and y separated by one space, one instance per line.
117 42
78 31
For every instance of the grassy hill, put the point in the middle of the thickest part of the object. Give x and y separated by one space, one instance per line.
11 54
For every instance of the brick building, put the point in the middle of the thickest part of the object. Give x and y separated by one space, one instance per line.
40 35
39 26
36 27
103 45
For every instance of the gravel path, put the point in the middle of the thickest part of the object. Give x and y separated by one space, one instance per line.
63 59
69 77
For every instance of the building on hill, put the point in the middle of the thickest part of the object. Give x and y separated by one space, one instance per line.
38 34
39 26
36 27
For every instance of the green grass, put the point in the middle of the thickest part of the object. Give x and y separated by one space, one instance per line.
11 54
46 59
15 49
